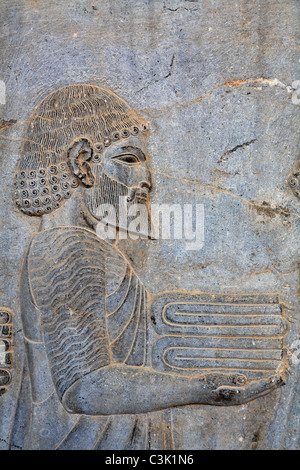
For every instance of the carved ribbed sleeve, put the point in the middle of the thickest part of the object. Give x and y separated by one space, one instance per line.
93 308
67 280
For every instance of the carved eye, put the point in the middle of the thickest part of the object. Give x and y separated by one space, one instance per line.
128 159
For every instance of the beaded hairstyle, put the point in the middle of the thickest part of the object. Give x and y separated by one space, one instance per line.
43 178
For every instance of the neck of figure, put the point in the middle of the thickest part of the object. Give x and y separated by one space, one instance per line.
73 212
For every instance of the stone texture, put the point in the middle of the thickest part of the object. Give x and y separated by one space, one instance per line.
213 80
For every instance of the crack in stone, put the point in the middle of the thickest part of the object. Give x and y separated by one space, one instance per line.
265 207
193 8
243 146
172 9
11 445
161 78
4 124
271 82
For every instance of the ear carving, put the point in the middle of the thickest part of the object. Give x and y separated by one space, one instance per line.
79 154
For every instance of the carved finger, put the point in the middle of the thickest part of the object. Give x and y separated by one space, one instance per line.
226 379
229 395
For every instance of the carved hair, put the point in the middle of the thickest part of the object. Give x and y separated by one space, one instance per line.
43 178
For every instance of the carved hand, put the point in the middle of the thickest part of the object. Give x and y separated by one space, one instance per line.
229 389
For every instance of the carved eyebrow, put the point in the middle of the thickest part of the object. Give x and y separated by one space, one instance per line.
129 151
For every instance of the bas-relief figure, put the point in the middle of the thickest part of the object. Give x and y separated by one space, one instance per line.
106 362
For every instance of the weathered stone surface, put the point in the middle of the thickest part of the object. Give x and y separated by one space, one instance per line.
216 84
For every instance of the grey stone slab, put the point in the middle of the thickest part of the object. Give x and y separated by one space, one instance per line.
144 343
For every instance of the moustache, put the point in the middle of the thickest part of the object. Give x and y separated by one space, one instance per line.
140 195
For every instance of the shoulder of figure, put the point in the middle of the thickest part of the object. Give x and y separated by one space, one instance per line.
65 260
58 240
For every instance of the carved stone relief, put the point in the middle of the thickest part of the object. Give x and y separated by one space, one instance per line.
5 348
87 317
108 343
